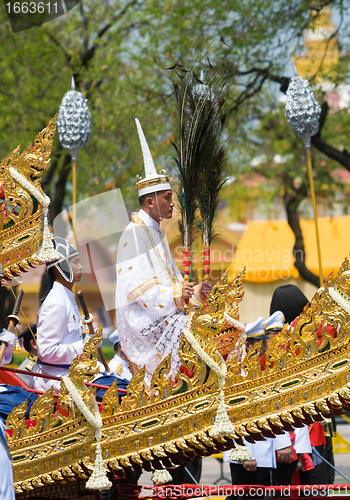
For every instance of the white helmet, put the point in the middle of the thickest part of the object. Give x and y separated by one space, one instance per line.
66 251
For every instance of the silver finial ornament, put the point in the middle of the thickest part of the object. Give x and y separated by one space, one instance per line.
302 109
203 91
74 119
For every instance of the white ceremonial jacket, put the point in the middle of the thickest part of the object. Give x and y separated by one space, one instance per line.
149 308
119 367
261 451
6 476
282 441
302 440
10 339
59 336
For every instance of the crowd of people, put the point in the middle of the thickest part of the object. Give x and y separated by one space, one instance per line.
295 457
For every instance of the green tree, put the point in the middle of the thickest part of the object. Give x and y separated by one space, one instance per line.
110 48
280 171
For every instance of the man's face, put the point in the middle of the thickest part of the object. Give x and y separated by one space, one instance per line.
250 343
165 205
271 334
76 268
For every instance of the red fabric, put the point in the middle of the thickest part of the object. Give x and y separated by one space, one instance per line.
12 379
294 322
294 456
316 433
295 481
306 462
263 362
329 329
185 371
292 438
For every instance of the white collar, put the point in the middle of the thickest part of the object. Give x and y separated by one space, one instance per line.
63 290
148 220
121 361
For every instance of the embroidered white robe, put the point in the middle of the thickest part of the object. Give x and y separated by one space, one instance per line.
149 307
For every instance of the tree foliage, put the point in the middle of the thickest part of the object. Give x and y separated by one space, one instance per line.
117 52
110 47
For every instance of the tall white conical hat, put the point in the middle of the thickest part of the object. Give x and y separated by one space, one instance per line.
152 182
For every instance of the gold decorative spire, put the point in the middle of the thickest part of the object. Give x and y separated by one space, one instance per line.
22 202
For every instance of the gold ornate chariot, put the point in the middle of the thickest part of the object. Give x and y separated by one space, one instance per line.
305 379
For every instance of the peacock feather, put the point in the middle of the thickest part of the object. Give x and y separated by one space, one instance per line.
200 156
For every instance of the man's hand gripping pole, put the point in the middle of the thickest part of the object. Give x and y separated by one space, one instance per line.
88 320
12 320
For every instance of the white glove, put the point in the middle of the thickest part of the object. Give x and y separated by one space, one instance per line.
10 338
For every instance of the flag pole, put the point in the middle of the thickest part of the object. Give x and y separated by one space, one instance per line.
303 114
73 124
313 197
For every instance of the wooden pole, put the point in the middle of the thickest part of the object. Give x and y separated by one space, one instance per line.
91 328
12 320
200 258
313 197
74 214
74 180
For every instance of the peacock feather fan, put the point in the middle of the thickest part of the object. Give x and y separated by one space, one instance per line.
200 156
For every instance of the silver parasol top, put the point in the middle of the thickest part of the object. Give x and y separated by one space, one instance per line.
73 121
302 109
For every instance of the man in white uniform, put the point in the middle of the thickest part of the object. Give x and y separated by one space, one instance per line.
29 344
6 476
119 365
285 468
59 333
151 294
258 470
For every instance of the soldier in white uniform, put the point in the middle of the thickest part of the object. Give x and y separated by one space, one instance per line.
9 338
29 344
119 365
59 331
274 325
6 476
255 332
258 470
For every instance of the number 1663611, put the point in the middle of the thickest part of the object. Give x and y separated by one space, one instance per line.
31 8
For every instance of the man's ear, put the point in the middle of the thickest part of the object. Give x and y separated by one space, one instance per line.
150 202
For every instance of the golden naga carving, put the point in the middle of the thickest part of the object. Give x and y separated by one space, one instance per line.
86 367
305 376
216 322
21 211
